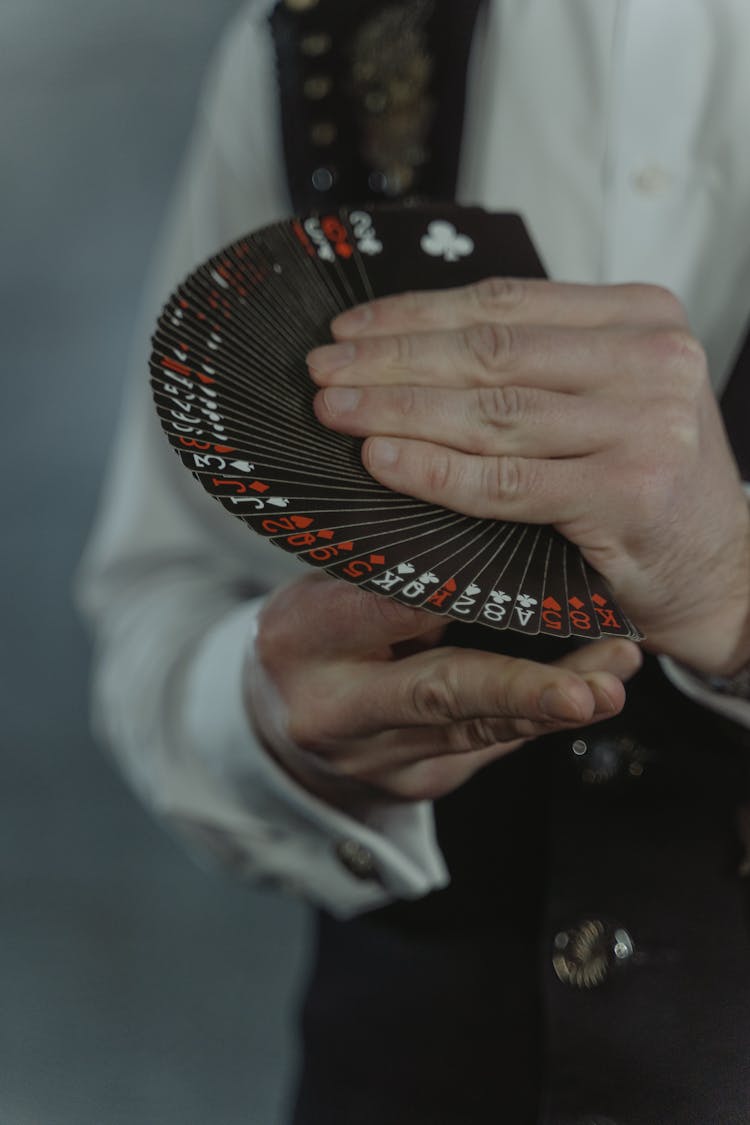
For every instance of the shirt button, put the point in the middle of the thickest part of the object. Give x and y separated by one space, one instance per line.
585 955
357 859
652 180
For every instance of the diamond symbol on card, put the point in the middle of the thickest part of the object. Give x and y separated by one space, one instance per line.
301 521
550 603
346 546
597 599
576 603
259 486
377 560
443 241
326 533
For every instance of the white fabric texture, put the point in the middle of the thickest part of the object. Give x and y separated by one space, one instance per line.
618 129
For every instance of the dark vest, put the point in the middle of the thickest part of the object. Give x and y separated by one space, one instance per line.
589 962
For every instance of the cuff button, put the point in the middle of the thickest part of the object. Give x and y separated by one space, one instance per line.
357 859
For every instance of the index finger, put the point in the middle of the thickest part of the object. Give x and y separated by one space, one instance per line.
511 301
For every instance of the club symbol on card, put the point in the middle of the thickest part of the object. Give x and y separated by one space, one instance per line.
525 601
443 241
499 596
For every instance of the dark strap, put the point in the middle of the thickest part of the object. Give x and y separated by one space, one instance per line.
372 97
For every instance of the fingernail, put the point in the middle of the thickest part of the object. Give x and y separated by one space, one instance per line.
352 321
341 400
603 701
382 453
556 705
330 357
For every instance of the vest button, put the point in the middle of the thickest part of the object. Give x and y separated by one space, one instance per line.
323 133
605 759
317 87
585 955
322 179
316 44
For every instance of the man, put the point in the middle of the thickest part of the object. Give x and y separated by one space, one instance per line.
306 735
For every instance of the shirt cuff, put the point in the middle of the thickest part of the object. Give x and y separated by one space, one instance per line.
255 818
696 688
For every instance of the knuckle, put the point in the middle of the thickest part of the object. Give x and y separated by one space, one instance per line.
492 346
439 473
434 694
474 734
661 302
678 428
505 477
309 727
678 348
404 401
498 406
403 349
495 295
666 304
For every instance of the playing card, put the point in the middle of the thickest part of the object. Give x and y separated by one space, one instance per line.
234 398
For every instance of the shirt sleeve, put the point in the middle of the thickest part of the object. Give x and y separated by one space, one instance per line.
171 584
731 707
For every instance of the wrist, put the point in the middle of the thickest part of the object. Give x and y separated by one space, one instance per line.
715 643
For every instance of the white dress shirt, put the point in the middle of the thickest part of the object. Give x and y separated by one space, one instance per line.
618 129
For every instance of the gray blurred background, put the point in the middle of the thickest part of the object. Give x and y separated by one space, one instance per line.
134 988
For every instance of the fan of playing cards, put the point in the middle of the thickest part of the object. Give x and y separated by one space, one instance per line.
234 397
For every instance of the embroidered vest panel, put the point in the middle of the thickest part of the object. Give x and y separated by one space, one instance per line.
372 97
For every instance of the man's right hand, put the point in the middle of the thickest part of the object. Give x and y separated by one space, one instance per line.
371 707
